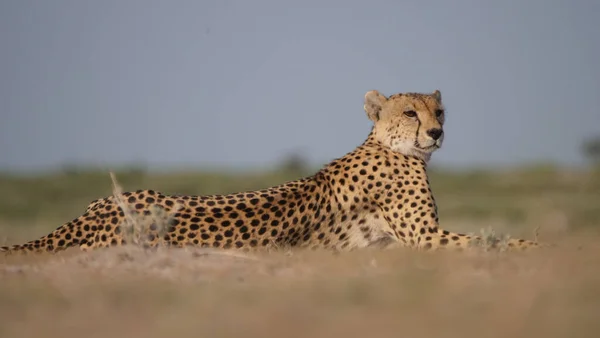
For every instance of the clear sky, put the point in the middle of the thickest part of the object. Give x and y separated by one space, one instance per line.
243 83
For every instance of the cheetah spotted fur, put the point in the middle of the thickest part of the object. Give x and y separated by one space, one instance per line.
378 195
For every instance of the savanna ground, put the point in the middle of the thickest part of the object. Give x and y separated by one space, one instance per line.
127 292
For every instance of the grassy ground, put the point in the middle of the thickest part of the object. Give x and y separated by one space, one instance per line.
127 292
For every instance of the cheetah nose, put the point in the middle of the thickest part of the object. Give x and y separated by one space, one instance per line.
435 133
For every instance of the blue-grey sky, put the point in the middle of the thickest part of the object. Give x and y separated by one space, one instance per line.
243 83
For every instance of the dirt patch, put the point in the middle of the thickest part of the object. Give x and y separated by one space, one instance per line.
129 292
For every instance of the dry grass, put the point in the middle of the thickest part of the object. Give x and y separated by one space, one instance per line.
130 292
136 227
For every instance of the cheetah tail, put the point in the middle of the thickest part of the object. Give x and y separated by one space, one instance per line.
58 240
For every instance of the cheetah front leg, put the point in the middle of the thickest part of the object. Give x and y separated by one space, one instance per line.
418 228
443 239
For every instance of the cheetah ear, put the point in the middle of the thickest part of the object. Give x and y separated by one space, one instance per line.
437 95
373 103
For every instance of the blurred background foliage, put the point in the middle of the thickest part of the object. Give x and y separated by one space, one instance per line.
516 199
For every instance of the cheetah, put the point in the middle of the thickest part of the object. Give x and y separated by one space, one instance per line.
377 195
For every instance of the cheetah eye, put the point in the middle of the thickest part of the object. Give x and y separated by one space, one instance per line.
439 112
410 113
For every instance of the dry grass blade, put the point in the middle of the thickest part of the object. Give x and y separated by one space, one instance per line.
128 227
223 253
536 233
138 228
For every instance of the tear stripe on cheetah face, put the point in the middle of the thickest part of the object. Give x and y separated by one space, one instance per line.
376 195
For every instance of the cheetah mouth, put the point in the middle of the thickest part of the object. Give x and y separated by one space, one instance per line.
428 148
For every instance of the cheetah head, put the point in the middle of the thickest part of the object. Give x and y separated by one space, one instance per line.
408 123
